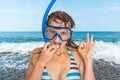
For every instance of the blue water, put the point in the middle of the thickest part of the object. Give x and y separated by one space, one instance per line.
37 36
99 36
20 36
16 47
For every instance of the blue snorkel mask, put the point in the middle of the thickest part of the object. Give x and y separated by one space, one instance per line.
64 33
50 32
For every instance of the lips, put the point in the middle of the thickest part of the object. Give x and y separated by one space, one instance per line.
58 45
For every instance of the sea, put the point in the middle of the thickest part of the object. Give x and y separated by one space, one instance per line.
16 47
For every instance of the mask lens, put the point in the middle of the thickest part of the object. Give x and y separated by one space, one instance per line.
64 34
50 33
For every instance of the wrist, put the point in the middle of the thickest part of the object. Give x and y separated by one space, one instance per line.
88 61
40 64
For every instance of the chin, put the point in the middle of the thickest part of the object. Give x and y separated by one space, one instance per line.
58 49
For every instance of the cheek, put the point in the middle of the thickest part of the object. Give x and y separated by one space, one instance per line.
63 44
51 41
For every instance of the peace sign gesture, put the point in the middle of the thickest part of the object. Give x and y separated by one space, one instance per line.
85 48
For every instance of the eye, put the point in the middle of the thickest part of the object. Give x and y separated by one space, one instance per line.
52 31
63 33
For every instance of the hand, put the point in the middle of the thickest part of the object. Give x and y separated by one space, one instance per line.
85 49
47 53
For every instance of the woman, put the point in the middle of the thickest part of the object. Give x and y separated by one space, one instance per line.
60 58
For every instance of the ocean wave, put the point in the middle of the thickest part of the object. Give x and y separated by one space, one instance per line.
17 54
108 51
23 48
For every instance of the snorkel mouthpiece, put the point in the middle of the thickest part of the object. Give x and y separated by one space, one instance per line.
45 19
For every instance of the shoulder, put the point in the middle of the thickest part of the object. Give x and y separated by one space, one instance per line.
35 55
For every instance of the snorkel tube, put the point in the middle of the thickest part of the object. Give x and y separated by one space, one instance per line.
45 19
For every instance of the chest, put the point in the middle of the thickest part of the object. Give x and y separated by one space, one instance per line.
58 69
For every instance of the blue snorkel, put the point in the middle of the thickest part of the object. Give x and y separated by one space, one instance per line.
45 18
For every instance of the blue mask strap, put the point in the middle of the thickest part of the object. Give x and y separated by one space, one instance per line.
45 18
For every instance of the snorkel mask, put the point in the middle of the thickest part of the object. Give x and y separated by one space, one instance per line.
50 32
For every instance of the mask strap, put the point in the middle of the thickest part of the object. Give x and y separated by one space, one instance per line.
45 18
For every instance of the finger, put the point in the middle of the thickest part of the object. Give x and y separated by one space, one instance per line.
91 38
94 43
52 47
45 46
52 53
92 47
87 37
82 45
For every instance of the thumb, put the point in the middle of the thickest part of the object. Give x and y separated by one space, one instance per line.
81 46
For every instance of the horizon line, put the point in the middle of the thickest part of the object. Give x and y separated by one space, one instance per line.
73 31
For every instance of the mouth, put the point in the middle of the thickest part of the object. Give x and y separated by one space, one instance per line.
58 45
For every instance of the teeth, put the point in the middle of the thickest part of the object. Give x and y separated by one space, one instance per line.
57 46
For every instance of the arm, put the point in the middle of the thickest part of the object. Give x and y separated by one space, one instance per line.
85 51
34 70
86 70
39 61
89 73
82 69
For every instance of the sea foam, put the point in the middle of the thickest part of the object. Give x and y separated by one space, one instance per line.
16 55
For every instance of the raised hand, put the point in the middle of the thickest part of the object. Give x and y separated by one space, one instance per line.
85 48
47 53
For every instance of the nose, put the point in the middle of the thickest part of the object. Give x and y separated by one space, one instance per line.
57 39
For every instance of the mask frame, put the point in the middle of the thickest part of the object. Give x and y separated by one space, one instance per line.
57 34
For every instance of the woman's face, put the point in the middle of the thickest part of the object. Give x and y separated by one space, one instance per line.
57 41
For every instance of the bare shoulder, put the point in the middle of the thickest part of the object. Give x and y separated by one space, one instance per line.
35 55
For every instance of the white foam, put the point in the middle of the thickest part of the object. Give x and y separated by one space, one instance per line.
15 66
20 48
19 60
103 50
108 51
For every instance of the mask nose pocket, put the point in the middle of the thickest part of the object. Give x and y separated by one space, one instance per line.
57 38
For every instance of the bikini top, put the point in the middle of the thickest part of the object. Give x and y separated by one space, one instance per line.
73 73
